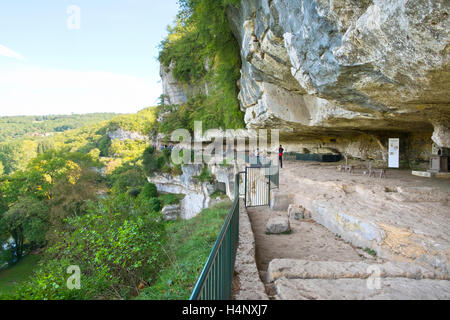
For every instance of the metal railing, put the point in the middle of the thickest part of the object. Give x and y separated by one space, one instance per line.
215 281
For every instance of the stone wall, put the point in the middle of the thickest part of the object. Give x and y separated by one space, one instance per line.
250 285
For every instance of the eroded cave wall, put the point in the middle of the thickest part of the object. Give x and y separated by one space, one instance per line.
352 71
342 76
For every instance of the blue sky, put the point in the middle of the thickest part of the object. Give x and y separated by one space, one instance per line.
79 56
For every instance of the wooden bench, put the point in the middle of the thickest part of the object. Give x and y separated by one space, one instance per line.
374 172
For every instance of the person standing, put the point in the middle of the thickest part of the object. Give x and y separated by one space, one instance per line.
280 155
257 156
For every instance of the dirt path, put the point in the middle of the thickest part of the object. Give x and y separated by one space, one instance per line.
402 217
308 241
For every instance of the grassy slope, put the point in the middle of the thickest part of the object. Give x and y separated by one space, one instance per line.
10 277
187 250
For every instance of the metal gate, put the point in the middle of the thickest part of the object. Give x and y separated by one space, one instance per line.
257 187
257 182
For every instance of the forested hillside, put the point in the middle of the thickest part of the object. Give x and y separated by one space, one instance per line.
91 137
35 126
82 198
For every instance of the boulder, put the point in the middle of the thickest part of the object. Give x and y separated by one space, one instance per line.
277 225
297 212
171 212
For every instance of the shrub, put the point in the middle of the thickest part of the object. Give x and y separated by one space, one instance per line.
149 191
201 48
205 175
150 161
188 246
168 199
134 192
114 254
127 177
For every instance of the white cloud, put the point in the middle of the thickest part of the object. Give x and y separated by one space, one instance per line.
30 91
7 52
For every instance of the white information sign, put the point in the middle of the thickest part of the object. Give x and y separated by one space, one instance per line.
394 153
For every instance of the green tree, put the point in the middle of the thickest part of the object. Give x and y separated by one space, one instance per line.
95 153
150 161
127 177
71 199
202 49
15 155
26 221
115 254
149 191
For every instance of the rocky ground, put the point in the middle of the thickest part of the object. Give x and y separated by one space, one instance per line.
361 228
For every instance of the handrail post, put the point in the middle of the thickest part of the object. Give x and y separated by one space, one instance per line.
236 186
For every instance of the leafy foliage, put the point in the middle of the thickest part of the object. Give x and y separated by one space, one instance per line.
168 199
149 191
115 254
126 177
141 122
26 220
187 250
201 49
205 175
15 155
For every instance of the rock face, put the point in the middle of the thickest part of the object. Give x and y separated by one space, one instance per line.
441 135
297 212
332 280
343 64
171 212
401 218
357 289
305 269
343 75
197 194
174 93
320 67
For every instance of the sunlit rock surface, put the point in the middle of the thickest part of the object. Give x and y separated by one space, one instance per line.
344 66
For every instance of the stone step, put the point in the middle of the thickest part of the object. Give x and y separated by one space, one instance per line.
362 289
304 269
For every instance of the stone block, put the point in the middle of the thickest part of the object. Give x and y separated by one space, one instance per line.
277 225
